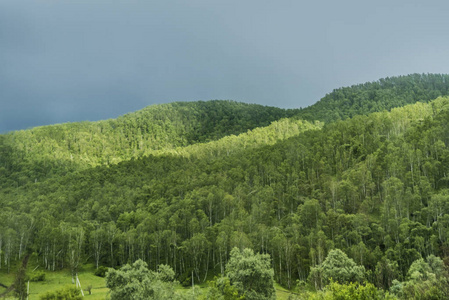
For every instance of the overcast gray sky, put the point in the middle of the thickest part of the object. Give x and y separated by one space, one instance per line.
74 60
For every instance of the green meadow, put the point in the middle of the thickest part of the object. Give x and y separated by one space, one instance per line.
59 279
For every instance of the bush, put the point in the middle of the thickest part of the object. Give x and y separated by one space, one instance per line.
101 271
186 278
89 289
137 282
67 293
36 276
354 291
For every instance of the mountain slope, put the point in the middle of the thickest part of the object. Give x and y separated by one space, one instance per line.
366 184
375 186
58 149
380 95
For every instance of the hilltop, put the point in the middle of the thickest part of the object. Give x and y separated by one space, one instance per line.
58 149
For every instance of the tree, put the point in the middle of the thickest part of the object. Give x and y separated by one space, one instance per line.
427 279
136 281
251 274
386 272
221 289
97 239
337 267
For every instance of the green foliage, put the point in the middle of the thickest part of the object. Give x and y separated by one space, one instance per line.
101 271
384 94
48 151
337 267
67 293
349 291
174 185
386 271
432 288
397 288
165 273
355 291
419 270
136 281
186 278
221 289
20 280
251 275
36 276
426 279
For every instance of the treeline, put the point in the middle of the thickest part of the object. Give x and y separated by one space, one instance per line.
373 186
384 94
42 152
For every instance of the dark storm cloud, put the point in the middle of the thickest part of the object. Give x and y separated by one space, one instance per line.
79 60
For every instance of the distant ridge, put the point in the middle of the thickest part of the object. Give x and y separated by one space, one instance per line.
383 94
71 146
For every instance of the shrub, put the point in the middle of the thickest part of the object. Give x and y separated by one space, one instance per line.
36 276
101 271
67 293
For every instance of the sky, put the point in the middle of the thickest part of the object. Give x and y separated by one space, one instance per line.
77 60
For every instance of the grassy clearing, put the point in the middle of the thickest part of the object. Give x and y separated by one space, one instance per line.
59 279
6 279
282 293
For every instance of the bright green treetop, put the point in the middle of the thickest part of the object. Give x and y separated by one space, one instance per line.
338 267
136 281
251 274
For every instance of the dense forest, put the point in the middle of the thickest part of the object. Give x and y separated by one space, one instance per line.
52 150
380 95
365 171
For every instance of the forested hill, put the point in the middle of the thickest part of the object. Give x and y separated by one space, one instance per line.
183 183
42 151
63 148
384 94
374 186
